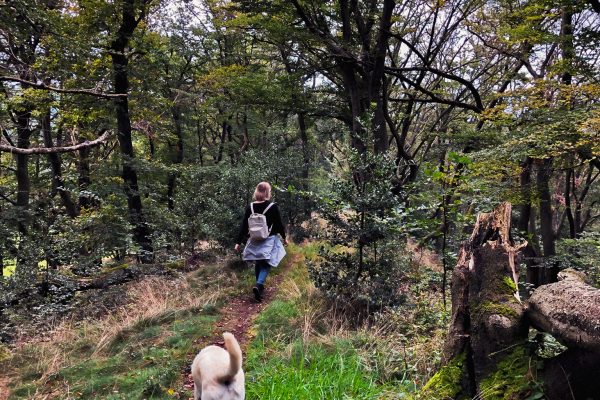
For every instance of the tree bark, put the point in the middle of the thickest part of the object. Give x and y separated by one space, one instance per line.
488 320
119 46
525 187
546 212
22 173
569 310
487 316
58 184
305 161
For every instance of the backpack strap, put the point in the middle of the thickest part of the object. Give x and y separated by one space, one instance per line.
267 209
251 208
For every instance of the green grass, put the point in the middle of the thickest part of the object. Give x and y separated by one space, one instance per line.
312 371
280 365
145 362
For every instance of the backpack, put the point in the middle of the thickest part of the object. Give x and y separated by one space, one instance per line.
257 224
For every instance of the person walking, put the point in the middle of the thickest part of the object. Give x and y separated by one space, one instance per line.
262 224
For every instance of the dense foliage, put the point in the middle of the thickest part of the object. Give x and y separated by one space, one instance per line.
136 129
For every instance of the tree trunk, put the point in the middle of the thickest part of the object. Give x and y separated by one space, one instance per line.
58 184
305 161
119 46
546 217
487 316
177 158
22 173
525 187
489 325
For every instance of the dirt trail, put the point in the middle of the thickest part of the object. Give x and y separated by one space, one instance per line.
238 316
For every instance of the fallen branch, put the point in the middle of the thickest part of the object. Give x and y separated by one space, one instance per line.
569 310
51 150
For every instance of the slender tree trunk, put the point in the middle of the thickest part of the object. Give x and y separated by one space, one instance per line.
525 208
58 184
119 46
178 157
22 173
25 265
305 160
356 109
546 216
568 210
580 220
376 80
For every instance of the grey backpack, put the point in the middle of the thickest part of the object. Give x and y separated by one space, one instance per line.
257 224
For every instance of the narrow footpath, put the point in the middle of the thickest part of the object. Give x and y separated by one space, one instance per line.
238 316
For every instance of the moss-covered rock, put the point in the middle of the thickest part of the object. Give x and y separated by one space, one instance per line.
446 383
513 378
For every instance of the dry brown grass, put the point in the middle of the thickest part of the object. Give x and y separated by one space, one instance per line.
148 299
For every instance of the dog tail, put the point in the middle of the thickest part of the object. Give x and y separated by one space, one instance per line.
235 357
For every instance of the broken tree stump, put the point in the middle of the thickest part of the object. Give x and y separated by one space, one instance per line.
487 315
487 353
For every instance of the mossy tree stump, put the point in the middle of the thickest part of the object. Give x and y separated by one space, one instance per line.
487 315
485 354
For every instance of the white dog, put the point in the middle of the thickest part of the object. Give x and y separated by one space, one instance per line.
217 373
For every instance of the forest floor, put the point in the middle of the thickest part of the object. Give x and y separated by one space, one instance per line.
296 343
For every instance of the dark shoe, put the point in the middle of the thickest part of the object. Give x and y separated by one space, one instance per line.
257 293
261 289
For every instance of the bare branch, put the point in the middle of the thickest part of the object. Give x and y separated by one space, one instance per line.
6 198
469 85
50 150
43 86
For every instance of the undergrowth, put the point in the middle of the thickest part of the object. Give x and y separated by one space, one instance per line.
307 347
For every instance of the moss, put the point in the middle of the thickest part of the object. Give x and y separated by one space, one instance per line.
509 285
512 379
490 308
109 269
445 384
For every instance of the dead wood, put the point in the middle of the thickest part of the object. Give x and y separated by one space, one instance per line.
569 310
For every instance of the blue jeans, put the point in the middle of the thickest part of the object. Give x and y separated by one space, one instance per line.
261 270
